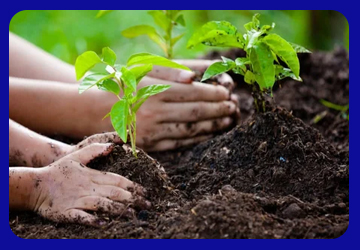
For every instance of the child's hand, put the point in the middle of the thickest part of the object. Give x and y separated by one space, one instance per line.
67 188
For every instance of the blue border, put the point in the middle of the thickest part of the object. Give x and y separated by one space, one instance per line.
346 241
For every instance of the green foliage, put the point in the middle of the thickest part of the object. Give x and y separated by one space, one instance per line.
263 51
166 20
122 81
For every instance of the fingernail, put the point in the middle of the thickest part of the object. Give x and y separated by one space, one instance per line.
186 76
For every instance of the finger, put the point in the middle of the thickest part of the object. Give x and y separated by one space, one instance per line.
191 129
79 216
226 81
197 64
174 144
95 203
170 74
196 111
114 193
116 180
195 92
235 98
100 138
90 152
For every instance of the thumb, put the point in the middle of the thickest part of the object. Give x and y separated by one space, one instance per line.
169 74
86 154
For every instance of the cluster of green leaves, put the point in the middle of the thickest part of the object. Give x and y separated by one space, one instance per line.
122 81
263 51
166 20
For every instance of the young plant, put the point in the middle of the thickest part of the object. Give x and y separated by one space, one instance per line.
261 67
122 81
166 20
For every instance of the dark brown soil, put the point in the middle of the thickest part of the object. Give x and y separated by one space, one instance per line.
273 176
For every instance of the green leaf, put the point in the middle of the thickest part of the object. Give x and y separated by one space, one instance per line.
249 77
108 56
172 13
147 58
137 105
103 12
148 30
180 20
92 80
176 39
110 86
217 69
140 71
267 28
241 62
252 38
119 113
160 19
85 62
151 90
334 106
128 78
217 33
283 50
255 21
299 49
262 64
281 73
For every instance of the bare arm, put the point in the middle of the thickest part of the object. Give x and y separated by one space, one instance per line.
27 148
29 61
52 107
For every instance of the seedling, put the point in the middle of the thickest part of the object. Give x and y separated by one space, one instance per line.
122 81
261 67
166 20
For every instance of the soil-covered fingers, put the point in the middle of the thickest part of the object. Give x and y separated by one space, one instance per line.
195 92
107 178
196 111
86 154
226 81
103 204
191 129
77 216
174 144
100 138
170 74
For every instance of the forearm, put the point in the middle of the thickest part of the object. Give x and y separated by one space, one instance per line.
27 148
29 61
23 183
51 107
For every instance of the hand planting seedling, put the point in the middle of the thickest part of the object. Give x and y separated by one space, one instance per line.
122 81
261 67
166 20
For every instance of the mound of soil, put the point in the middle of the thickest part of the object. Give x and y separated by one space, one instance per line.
325 76
273 176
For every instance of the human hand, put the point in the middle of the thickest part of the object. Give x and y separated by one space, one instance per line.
66 189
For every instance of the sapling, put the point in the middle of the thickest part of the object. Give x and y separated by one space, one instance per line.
122 81
261 66
165 39
343 109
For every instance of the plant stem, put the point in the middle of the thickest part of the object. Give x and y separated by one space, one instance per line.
169 38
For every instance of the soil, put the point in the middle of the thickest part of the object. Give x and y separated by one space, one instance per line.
276 175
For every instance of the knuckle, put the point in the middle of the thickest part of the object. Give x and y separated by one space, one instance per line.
115 193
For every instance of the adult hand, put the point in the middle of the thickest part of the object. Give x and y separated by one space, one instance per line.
183 115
